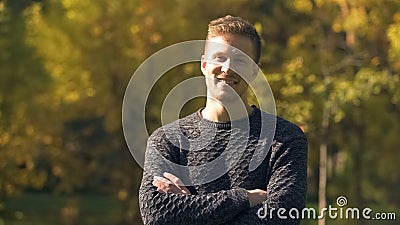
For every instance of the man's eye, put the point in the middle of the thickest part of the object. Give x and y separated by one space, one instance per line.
220 58
241 61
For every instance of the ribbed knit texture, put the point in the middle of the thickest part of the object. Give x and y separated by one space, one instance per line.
194 141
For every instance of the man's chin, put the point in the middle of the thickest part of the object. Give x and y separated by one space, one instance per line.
227 98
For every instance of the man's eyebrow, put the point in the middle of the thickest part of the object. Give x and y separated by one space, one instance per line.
218 54
241 55
236 54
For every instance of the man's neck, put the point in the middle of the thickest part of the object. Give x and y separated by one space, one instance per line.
225 112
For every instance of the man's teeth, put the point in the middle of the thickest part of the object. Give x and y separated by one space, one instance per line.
227 81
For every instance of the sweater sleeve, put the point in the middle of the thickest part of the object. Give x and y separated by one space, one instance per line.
170 208
287 188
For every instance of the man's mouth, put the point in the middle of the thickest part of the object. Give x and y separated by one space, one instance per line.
227 81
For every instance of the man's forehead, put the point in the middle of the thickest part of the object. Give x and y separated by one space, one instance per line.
230 43
213 47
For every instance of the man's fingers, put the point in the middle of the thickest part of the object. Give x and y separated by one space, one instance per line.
174 179
166 186
162 179
162 183
170 183
177 182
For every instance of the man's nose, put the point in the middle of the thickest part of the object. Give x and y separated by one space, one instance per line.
226 66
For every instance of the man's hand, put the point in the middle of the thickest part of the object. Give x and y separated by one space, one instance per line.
256 196
170 184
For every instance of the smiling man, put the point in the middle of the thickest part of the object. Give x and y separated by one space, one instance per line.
225 136
226 64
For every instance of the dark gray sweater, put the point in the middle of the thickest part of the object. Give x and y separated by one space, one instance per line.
193 141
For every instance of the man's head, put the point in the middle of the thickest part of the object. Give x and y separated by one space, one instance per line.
235 26
230 58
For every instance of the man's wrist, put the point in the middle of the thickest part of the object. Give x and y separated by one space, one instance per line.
256 196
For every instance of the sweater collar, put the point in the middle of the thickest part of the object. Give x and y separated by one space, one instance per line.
226 125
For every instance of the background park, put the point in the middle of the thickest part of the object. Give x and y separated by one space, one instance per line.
333 66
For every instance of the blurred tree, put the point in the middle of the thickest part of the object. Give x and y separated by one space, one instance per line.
87 48
334 59
22 82
333 65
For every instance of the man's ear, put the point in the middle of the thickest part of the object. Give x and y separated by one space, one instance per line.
255 71
203 65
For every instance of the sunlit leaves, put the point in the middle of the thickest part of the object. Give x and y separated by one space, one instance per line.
65 64
393 34
72 82
302 6
80 11
342 58
352 19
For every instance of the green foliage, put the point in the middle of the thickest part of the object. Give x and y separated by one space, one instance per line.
65 65
23 81
340 63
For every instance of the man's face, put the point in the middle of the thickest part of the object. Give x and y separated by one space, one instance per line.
225 64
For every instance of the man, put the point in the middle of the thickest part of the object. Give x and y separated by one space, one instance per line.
173 195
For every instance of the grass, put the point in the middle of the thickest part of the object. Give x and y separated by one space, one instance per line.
48 209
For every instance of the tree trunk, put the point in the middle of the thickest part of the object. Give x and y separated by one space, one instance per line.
323 155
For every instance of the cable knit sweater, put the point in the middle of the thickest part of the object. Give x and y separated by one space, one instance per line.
224 200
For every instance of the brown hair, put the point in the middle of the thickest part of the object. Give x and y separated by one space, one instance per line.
235 25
